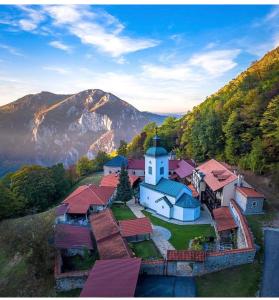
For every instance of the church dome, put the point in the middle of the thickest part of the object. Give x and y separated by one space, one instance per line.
156 151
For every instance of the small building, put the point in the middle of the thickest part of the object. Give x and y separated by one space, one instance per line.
184 171
61 213
72 240
225 224
166 197
107 236
249 200
136 230
87 199
136 167
112 180
114 165
112 278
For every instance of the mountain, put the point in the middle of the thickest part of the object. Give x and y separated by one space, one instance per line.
46 128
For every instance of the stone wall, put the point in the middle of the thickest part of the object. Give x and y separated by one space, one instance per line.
158 267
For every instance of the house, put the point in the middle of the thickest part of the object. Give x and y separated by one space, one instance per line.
136 230
114 165
107 236
184 171
215 183
72 240
87 199
112 278
249 200
112 180
166 197
136 167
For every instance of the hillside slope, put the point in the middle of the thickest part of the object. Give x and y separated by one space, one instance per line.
46 128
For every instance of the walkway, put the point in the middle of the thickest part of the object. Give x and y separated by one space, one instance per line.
135 208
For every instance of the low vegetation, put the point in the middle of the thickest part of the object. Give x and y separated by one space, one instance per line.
122 212
182 234
145 250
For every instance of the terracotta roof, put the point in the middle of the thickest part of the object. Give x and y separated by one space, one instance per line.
194 191
112 180
135 227
137 164
80 200
61 209
223 218
68 236
109 241
216 174
184 169
249 192
186 255
173 164
112 278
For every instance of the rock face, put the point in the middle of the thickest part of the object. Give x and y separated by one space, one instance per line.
46 128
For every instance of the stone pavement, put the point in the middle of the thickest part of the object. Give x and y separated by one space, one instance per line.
135 208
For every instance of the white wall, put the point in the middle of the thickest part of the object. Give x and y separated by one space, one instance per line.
241 200
186 214
111 170
136 172
156 163
228 193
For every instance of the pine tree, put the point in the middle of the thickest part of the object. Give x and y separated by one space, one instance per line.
124 190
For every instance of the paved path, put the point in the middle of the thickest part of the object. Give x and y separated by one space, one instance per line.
135 208
270 286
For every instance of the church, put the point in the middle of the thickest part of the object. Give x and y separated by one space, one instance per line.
168 198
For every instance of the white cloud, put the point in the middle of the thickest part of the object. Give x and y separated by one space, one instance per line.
61 46
11 50
273 14
33 18
56 69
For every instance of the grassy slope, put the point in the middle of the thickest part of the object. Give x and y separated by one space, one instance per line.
122 212
145 250
182 234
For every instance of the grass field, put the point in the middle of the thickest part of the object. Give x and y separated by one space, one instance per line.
145 250
122 212
182 234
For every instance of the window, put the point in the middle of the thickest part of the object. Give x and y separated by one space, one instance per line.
163 207
150 170
162 171
254 204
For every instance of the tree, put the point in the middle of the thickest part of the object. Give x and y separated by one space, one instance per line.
61 182
36 185
124 190
256 157
84 166
99 161
122 149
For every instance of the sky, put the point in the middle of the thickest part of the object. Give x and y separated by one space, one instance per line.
159 58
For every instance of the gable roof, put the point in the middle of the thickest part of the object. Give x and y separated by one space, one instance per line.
217 175
184 169
112 278
135 227
224 219
249 192
194 191
112 180
173 164
167 187
61 209
137 164
117 161
80 200
187 201
166 200
68 236
186 255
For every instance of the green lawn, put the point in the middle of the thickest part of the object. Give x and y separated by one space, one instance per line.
145 250
93 179
182 234
122 212
242 281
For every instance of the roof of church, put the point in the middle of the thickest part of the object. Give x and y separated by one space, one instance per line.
156 151
187 201
166 186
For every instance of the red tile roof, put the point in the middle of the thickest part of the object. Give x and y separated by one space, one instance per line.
109 241
61 209
67 236
249 192
186 255
173 164
184 169
194 191
135 227
137 164
112 180
112 278
224 219
80 200
216 174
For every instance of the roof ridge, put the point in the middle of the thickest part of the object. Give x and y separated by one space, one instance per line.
69 197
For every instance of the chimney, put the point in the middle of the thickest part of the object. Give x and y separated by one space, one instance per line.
239 180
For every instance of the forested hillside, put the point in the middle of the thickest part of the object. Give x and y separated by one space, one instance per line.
238 124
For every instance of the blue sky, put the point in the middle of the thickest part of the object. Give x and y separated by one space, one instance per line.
159 58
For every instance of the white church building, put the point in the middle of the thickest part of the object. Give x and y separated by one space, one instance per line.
166 197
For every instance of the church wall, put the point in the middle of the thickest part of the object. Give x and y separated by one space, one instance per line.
185 214
156 163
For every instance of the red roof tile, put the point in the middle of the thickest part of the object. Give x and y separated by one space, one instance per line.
137 164
173 164
61 209
184 169
224 219
249 192
135 227
186 255
112 278
216 174
68 236
106 231
112 180
80 200
194 191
